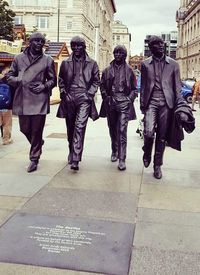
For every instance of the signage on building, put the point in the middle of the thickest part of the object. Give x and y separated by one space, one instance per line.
10 47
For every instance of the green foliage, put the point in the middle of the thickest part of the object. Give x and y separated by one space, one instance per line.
6 21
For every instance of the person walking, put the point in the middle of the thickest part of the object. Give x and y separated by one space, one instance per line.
160 86
118 92
196 94
78 82
33 76
5 107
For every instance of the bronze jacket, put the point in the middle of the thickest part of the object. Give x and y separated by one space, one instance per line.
170 81
91 78
22 74
130 90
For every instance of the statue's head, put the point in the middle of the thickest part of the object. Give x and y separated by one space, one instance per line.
36 41
78 46
156 45
120 53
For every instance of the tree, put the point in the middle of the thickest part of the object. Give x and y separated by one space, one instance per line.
6 21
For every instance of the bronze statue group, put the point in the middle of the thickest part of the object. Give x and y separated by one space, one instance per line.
166 114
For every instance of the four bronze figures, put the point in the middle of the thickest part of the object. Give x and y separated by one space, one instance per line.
32 75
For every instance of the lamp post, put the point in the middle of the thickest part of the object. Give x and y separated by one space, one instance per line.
58 29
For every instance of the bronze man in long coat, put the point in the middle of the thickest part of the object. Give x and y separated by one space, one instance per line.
33 76
78 83
118 92
160 86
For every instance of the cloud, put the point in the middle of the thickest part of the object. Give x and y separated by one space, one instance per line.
144 17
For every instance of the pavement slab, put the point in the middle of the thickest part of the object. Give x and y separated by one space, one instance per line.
21 185
159 196
19 269
83 203
185 177
85 179
12 203
168 217
4 215
150 261
167 237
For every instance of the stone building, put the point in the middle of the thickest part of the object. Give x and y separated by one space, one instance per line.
188 50
170 40
121 36
60 20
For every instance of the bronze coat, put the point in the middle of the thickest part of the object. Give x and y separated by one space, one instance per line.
91 78
107 80
22 73
170 81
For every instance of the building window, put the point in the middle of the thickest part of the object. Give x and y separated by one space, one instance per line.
70 3
43 22
44 3
69 23
18 19
17 2
118 38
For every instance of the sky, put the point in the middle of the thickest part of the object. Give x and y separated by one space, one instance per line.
146 17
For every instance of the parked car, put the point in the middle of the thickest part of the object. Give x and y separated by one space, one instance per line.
186 91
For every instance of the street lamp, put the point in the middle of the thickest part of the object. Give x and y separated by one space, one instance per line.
58 29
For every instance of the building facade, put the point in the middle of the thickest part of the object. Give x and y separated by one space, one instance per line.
170 40
188 50
60 20
121 36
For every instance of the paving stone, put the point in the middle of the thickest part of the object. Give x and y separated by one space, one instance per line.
11 203
114 181
159 196
4 215
167 237
19 269
23 185
45 167
77 244
168 217
148 261
73 203
185 177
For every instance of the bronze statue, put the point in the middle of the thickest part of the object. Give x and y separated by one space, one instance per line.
118 92
78 83
160 87
33 76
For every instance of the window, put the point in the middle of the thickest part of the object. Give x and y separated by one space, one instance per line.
118 38
42 22
70 3
18 19
69 23
44 3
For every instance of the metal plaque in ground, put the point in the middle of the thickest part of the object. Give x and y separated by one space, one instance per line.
60 242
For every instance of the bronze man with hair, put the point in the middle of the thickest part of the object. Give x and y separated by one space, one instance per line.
33 76
118 93
160 86
78 83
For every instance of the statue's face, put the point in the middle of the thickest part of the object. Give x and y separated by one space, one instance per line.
36 45
78 49
119 56
158 48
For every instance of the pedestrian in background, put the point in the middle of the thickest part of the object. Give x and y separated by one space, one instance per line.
33 76
196 94
5 108
118 90
78 83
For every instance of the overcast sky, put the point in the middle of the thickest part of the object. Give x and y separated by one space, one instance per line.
146 17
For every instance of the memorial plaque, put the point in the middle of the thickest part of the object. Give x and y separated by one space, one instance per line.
77 244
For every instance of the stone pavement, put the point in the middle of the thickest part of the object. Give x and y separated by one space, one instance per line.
165 214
